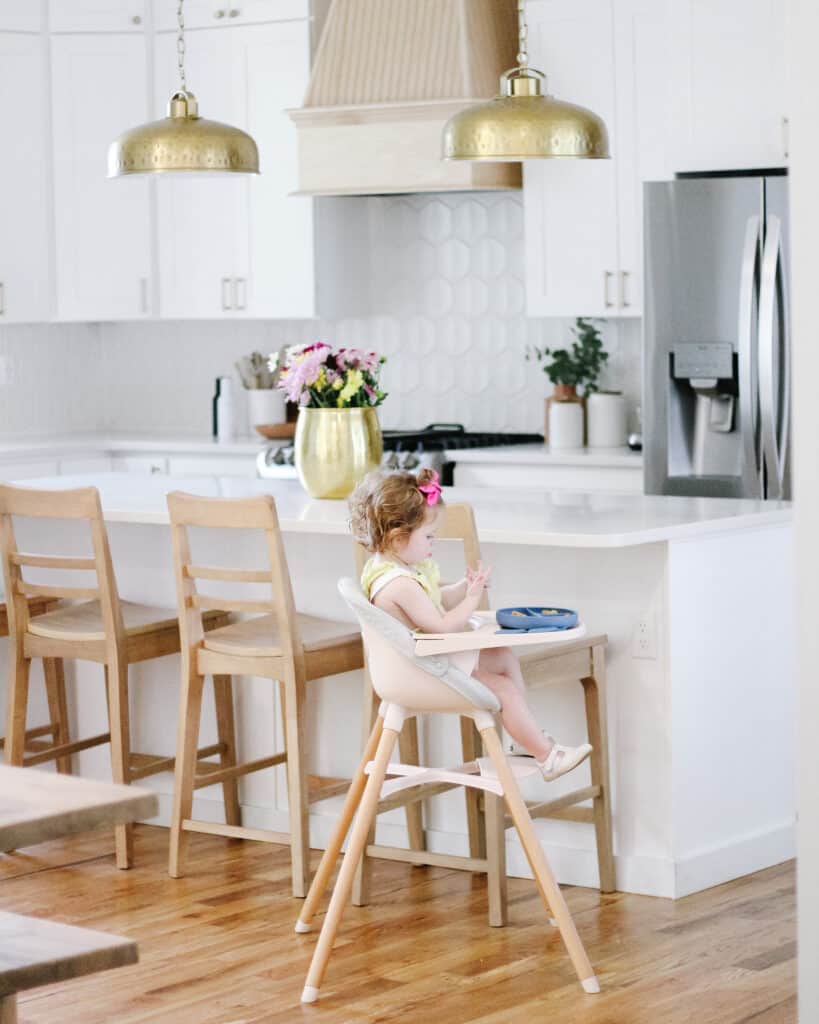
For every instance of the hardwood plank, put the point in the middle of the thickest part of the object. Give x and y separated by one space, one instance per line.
218 947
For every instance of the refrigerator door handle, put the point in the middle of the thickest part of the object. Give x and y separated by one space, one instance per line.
748 356
773 314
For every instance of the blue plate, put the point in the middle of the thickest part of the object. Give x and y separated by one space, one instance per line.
542 618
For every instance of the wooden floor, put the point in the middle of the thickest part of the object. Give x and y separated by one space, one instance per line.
218 947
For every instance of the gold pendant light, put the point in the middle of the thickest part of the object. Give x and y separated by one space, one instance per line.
182 141
522 123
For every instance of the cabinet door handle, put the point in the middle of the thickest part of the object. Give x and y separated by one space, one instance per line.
624 276
786 126
240 303
136 20
226 304
607 276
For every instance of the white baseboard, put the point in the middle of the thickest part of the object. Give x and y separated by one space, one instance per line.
572 865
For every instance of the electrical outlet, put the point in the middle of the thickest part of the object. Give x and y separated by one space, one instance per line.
644 644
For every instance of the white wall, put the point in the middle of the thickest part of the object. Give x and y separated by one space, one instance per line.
447 309
803 18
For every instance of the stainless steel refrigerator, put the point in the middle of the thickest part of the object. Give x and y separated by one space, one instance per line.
716 346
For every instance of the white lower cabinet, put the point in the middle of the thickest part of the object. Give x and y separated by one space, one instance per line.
28 469
212 465
143 465
566 478
102 243
25 202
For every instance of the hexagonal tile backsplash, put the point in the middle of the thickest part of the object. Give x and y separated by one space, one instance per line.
448 311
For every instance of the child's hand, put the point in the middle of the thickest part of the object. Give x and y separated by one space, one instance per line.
477 579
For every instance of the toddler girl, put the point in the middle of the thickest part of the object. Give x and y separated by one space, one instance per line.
396 516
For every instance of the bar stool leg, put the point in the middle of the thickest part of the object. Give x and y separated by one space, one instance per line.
17 707
187 739
475 819
594 689
293 689
116 679
548 887
341 892
8 1009
226 731
330 855
54 676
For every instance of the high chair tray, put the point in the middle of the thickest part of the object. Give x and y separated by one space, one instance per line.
484 634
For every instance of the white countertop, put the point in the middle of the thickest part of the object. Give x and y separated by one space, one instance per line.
541 455
504 515
194 444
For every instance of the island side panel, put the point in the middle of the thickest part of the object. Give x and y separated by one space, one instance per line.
733 704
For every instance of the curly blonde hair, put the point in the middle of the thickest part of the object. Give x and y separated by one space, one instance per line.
388 506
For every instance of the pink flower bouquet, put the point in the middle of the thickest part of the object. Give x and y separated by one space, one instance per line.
320 377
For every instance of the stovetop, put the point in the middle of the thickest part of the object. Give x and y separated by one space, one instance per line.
410 450
441 436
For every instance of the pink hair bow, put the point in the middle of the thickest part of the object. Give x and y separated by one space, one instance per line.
431 490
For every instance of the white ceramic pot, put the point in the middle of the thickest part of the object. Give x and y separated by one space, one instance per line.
565 425
606 412
265 406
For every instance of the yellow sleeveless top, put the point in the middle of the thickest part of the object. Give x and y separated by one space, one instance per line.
377 573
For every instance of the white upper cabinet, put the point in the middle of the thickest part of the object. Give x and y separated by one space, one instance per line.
20 17
25 202
584 217
202 220
96 15
728 84
211 13
238 245
571 205
102 243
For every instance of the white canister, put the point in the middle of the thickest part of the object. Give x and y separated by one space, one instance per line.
265 406
606 412
565 425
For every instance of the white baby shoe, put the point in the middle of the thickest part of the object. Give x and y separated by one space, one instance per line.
562 759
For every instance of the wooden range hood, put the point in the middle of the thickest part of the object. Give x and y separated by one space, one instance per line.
387 76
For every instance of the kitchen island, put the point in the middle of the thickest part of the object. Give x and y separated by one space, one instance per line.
694 594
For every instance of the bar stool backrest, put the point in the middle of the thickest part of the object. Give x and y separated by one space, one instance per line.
457 523
82 503
399 676
257 513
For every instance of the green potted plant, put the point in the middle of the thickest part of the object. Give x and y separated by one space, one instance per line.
570 368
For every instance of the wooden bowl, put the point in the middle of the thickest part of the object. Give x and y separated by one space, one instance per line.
274 431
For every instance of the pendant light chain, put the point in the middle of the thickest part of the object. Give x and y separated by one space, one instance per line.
523 34
180 45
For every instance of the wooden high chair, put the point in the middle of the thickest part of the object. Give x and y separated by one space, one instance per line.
559 661
408 684
89 623
54 680
279 644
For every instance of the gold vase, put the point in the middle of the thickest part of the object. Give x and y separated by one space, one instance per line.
335 448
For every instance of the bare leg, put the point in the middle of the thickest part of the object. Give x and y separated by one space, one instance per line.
499 669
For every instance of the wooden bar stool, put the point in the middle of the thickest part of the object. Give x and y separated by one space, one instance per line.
408 684
88 623
555 663
54 679
278 644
